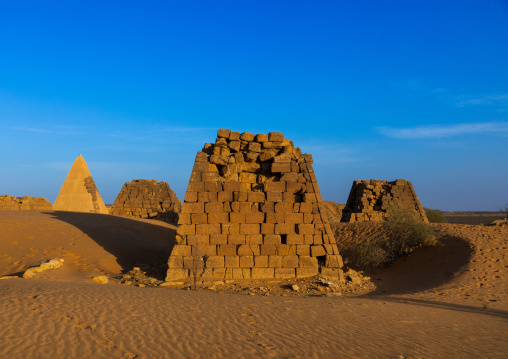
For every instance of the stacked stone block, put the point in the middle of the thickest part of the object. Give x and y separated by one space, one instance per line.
370 200
24 203
253 210
147 199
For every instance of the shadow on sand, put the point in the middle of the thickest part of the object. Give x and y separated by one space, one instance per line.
131 241
425 268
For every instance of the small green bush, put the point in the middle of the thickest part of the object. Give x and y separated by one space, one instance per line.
401 233
435 216
405 232
366 256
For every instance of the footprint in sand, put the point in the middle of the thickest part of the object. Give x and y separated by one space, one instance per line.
130 356
109 334
266 346
253 332
105 343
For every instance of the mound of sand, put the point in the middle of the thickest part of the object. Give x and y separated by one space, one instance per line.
447 301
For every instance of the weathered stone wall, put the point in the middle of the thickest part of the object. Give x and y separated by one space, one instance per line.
370 200
25 202
253 210
147 199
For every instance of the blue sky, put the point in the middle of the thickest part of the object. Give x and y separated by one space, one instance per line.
385 90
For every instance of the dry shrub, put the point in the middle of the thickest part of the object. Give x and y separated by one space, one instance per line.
401 233
435 216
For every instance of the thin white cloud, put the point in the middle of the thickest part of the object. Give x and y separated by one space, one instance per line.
499 100
30 129
440 131
57 130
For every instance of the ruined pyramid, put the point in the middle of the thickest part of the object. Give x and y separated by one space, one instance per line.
147 199
371 200
253 210
78 192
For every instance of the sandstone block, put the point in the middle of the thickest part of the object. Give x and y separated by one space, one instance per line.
215 262
218 239
191 197
276 137
305 272
262 273
268 249
280 167
213 207
230 228
245 250
274 196
247 136
175 274
193 208
267 228
285 228
305 228
295 239
261 138
293 218
236 217
254 217
285 273
226 250
274 186
236 239
223 132
218 217
286 250
246 261
272 239
250 228
260 261
317 251
208 228
186 229
232 261
254 239
181 250
199 218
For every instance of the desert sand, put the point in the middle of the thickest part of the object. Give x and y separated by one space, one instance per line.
449 301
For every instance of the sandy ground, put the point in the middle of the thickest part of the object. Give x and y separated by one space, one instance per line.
449 301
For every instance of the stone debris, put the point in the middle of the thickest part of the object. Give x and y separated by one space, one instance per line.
295 287
370 200
102 279
147 199
145 276
78 192
50 264
24 203
499 222
253 210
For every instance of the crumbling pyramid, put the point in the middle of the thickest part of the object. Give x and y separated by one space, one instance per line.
78 192
147 199
24 203
370 200
253 210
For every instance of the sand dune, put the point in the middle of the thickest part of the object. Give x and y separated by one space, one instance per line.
440 302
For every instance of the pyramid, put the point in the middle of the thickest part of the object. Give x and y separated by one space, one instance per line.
147 199
78 192
370 200
253 210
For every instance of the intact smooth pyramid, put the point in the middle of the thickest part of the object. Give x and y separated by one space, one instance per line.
78 192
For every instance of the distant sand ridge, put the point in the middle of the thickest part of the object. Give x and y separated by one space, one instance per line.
253 210
24 203
147 199
78 192
370 200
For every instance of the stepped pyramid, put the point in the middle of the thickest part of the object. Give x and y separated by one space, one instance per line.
370 200
147 199
253 210
78 192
